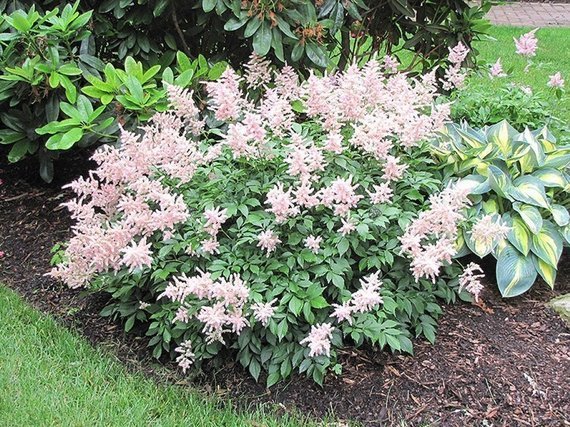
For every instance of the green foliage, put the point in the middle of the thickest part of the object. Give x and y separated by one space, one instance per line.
55 94
300 32
521 178
303 283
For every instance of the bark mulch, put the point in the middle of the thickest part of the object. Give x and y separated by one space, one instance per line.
507 365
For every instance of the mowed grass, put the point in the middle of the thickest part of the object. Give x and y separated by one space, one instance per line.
553 55
49 376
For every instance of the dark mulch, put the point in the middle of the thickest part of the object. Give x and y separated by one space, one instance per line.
507 366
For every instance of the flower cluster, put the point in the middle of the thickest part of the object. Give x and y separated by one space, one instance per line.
471 281
527 44
319 340
454 77
361 301
430 239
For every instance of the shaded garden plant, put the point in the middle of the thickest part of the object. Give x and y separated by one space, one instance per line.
276 232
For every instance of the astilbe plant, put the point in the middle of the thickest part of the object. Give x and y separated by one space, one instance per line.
274 230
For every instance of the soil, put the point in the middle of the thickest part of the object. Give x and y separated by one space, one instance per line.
504 365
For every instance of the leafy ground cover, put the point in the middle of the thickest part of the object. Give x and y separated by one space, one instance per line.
550 58
51 376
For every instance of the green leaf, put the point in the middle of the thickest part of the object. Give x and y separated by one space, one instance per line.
530 215
317 54
475 184
515 273
499 181
519 235
262 39
254 368
530 189
252 27
547 245
546 271
551 177
319 302
209 5
64 141
18 151
560 215
501 134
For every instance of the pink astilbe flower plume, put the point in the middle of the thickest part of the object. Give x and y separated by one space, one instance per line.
264 311
527 44
556 81
319 340
496 70
471 281
268 241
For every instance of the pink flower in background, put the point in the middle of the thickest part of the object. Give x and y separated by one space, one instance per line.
187 357
470 281
263 311
343 312
382 194
488 230
347 227
556 81
211 246
319 339
313 243
391 64
137 255
282 205
458 53
368 296
258 71
527 44
496 70
214 220
268 241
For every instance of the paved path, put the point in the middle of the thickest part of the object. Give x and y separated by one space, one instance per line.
531 14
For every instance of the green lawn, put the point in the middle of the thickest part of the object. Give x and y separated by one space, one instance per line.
552 56
51 377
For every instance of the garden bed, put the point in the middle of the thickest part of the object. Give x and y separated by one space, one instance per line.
507 364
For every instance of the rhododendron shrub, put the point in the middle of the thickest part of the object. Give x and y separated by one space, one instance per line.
276 232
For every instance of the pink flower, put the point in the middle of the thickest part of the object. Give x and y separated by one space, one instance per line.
343 312
347 227
263 311
2 254
211 246
496 70
382 194
137 255
258 71
470 281
391 64
313 243
527 44
486 230
214 220
281 202
458 54
319 339
368 296
181 315
556 81
187 357
268 241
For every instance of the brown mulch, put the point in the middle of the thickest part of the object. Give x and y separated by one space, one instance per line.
506 365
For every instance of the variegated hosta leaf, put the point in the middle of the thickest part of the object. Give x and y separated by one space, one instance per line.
546 139
471 137
547 244
490 207
519 236
560 215
478 247
559 159
530 189
515 272
475 184
566 234
535 146
546 271
501 245
530 215
499 181
501 135
551 177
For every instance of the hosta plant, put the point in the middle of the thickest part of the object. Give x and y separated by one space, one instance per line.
519 185
274 228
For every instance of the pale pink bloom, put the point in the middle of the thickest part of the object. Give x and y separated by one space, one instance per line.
268 241
347 227
281 203
313 243
527 44
183 286
319 339
304 196
236 321
182 101
211 246
496 70
488 230
214 220
382 193
287 82
2 254
181 315
213 317
226 99
392 169
258 72
458 54
341 196
187 357
334 143
137 255
368 296
254 127
143 305
556 81
526 89
343 312
232 292
391 64
470 281
263 311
